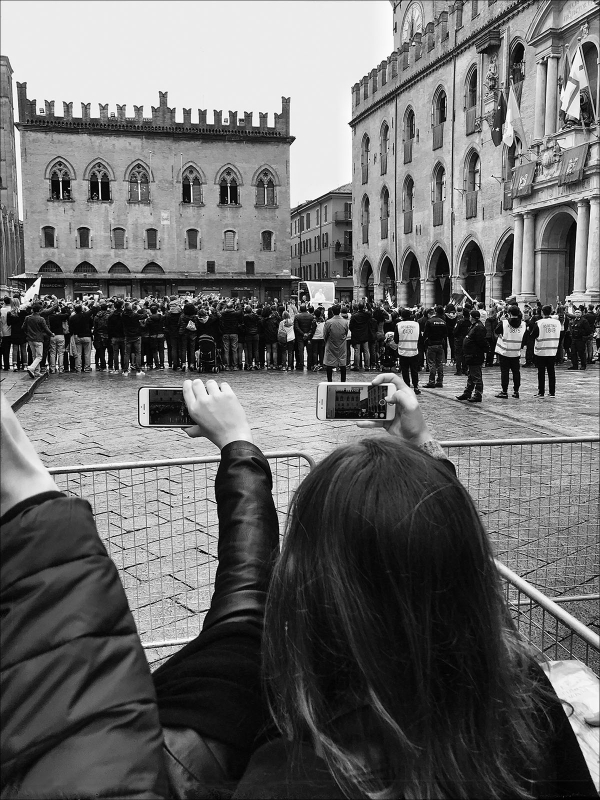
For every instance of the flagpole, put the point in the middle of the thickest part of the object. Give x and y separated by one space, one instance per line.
589 88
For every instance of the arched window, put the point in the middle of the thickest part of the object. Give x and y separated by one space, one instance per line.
510 159
385 212
84 239
408 134
48 236
408 196
438 118
438 194
152 239
119 241
364 158
192 239
139 185
228 189
266 240
384 138
229 240
60 182
473 184
590 57
49 266
99 183
517 69
265 190
119 269
191 187
365 219
153 269
471 100
85 268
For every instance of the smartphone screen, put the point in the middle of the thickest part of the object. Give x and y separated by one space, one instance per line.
166 407
356 402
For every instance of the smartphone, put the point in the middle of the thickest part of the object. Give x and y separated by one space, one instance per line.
354 401
162 408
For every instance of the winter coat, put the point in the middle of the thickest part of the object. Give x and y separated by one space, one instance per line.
80 323
230 319
269 328
114 325
360 327
304 325
335 334
475 345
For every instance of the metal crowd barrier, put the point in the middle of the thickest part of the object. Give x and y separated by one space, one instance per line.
538 498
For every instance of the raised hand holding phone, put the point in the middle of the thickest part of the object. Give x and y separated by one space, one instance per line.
217 412
409 423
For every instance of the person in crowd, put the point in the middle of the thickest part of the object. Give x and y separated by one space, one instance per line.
380 315
155 326
56 319
530 316
435 334
474 348
511 333
188 335
490 323
116 334
5 333
591 317
450 318
335 335
286 338
561 316
270 325
35 328
80 325
318 340
579 330
388 715
102 344
251 323
460 331
304 328
360 323
546 336
230 319
171 327
132 319
406 338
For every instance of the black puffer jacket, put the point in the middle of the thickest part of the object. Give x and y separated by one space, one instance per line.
79 709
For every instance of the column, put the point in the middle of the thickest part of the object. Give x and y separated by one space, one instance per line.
551 95
495 284
401 293
581 246
592 278
528 265
377 292
517 255
540 100
428 293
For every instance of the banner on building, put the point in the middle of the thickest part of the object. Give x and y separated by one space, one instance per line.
572 164
165 217
522 182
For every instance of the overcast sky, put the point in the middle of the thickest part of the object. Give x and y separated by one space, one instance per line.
221 54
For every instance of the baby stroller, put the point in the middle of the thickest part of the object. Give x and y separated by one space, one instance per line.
207 355
389 353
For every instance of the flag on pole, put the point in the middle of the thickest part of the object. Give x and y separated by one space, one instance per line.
499 113
464 291
569 97
389 298
32 291
513 123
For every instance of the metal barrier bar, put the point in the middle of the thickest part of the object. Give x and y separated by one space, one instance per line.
515 441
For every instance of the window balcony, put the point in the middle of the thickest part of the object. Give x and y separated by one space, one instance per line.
344 250
438 213
471 200
408 221
408 147
438 136
341 217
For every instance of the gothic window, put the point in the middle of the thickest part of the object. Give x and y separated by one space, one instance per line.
365 219
192 241
99 183
439 107
60 182
267 240
409 125
383 148
139 185
119 269
153 269
48 236
83 238
474 8
85 268
517 69
408 194
364 158
49 266
118 238
473 176
439 184
229 240
151 239
191 188
228 189
471 89
265 190
385 212
590 57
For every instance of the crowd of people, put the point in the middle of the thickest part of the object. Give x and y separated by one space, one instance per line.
130 337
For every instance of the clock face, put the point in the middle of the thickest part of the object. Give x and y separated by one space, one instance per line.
413 22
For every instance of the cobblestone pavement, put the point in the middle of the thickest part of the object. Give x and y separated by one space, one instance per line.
160 525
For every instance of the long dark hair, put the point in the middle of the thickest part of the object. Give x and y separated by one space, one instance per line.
386 602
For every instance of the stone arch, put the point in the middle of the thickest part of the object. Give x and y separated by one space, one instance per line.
98 163
366 279
191 165
49 266
236 173
439 105
471 268
119 268
555 253
411 277
85 268
502 266
439 275
59 160
386 272
270 169
152 268
471 72
134 164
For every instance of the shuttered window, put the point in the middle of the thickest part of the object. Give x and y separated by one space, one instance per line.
119 238
48 236
152 239
192 239
229 243
84 237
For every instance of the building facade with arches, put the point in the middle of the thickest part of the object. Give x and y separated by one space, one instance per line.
152 205
464 210
11 227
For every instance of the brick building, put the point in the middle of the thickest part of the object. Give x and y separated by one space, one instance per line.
434 205
321 240
11 231
150 205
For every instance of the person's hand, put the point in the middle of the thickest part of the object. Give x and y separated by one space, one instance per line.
217 412
408 423
22 474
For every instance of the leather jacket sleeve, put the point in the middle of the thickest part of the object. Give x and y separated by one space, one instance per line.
210 696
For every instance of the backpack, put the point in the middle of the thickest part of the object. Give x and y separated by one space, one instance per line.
191 326
281 335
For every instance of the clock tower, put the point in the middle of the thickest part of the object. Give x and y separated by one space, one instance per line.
410 17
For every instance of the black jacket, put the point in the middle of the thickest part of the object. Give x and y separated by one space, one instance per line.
475 345
435 331
230 319
114 325
304 325
360 327
80 324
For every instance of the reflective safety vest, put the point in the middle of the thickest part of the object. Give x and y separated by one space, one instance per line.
509 341
549 336
408 339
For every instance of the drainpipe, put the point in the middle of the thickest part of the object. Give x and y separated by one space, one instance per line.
395 190
452 168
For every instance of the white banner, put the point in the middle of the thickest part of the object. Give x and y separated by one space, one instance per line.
321 292
31 292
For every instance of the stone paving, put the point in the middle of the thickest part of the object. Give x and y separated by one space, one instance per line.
160 524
